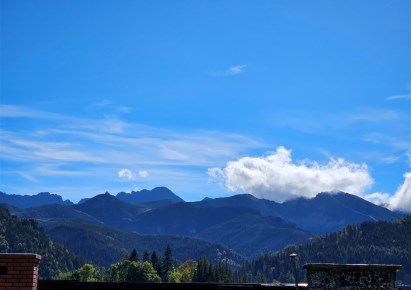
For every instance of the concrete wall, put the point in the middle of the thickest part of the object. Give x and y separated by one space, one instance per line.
19 271
351 276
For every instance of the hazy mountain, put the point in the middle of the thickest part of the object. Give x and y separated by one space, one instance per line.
251 234
244 223
324 213
242 229
110 210
185 219
54 213
25 201
329 212
156 194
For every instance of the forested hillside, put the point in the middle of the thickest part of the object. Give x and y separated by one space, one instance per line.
24 236
370 242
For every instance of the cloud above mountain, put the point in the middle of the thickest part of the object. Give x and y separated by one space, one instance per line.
402 198
277 177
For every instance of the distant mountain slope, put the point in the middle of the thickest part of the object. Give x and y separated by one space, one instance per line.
112 211
54 213
252 234
329 212
184 219
24 236
244 223
324 213
103 245
368 243
143 196
242 229
26 201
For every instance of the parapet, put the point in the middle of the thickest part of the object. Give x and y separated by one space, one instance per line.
351 276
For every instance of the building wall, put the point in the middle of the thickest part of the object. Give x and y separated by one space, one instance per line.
351 277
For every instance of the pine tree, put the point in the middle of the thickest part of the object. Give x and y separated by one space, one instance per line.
146 256
168 263
133 256
155 262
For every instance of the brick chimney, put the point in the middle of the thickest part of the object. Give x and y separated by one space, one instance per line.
19 271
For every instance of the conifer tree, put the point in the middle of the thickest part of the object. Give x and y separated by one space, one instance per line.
155 262
133 256
168 263
146 257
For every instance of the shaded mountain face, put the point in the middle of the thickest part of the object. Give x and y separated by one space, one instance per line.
111 211
26 201
329 212
324 213
143 196
103 245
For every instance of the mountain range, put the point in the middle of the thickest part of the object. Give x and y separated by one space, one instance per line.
26 201
235 227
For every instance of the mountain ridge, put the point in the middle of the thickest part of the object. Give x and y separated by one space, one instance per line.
26 201
145 195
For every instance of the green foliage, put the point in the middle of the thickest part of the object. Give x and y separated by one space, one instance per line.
87 273
207 272
133 271
186 271
24 236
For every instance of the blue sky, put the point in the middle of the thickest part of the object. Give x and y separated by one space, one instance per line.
209 98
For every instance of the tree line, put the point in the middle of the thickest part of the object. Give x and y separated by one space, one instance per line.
154 268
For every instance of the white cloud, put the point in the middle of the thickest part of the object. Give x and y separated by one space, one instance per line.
277 177
130 175
143 173
402 198
235 70
378 198
231 71
126 174
12 111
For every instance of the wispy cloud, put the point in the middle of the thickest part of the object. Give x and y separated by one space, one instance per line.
12 111
71 146
399 97
235 70
143 173
374 115
231 71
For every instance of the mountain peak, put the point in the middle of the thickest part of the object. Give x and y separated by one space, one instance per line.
156 194
26 201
